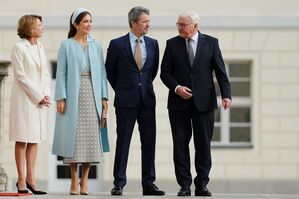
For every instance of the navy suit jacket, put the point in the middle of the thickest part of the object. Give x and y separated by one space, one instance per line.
129 84
176 70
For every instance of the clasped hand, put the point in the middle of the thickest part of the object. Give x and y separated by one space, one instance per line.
184 92
45 101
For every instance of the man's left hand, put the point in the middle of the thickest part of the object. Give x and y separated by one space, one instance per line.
226 103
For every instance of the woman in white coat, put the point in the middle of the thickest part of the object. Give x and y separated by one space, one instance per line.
29 100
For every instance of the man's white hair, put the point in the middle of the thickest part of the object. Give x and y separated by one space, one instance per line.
192 15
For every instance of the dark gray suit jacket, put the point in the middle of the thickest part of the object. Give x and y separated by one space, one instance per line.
176 70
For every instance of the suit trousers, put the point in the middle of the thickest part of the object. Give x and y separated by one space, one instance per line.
182 123
125 119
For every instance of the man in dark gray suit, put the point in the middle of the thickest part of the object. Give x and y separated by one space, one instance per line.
187 66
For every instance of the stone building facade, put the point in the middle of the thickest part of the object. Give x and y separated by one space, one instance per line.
256 143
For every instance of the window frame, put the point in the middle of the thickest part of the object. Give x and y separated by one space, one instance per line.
238 102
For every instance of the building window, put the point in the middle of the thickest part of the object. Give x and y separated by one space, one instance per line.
53 69
233 126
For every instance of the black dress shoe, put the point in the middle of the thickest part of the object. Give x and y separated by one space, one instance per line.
35 192
202 192
117 191
21 191
184 191
152 191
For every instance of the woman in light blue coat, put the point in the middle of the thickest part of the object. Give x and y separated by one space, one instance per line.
81 93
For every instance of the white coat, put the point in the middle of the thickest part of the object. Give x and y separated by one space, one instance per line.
31 82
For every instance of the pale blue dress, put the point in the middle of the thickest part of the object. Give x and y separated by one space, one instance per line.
88 146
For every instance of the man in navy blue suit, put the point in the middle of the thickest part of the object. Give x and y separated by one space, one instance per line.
132 64
187 66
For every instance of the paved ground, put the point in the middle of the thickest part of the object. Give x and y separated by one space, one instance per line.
132 195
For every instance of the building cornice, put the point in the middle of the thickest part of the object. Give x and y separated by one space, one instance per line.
166 22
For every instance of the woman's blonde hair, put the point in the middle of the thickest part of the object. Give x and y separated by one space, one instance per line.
25 25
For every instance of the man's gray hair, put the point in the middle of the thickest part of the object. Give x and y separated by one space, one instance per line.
134 13
192 15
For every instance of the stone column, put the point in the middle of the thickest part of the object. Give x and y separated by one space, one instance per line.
3 73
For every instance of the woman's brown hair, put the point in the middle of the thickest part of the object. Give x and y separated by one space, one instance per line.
73 30
25 25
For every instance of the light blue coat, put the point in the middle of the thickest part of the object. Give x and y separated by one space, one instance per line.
69 65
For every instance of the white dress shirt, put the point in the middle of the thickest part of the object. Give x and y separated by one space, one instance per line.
194 41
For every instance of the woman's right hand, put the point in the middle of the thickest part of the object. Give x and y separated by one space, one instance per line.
45 101
61 106
104 112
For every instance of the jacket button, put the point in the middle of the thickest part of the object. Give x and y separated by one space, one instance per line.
139 84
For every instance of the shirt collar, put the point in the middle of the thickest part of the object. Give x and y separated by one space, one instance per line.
133 37
194 37
27 43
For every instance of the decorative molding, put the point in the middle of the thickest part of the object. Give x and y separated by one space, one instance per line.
166 22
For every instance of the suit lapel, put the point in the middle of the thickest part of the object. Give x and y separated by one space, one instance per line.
148 49
128 46
43 59
200 46
182 45
30 49
130 50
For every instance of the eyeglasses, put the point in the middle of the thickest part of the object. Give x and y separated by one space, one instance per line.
182 26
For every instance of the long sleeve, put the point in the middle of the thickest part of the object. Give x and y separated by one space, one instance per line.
156 66
47 84
112 57
220 72
45 74
31 90
104 88
61 74
167 69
